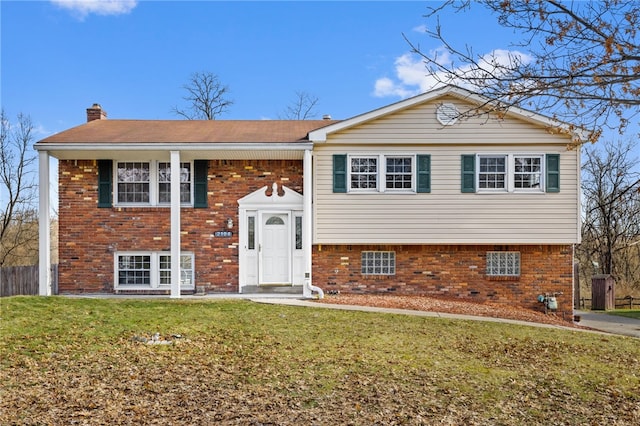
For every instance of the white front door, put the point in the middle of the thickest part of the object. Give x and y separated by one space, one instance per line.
275 249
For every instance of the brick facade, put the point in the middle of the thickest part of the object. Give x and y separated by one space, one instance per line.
450 271
89 236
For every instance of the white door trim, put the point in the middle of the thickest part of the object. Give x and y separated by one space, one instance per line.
257 204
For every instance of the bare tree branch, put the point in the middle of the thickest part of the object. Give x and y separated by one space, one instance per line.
301 108
206 97
581 64
611 230
18 217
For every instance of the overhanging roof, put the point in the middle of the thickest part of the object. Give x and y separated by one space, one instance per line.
187 131
229 139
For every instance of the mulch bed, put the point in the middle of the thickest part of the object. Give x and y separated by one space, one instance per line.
452 306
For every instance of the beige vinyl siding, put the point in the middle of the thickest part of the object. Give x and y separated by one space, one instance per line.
419 125
445 216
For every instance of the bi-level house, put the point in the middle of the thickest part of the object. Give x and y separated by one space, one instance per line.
417 197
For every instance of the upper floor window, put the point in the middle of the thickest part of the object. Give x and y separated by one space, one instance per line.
527 172
396 173
492 172
399 173
164 182
364 173
382 173
150 183
133 182
509 173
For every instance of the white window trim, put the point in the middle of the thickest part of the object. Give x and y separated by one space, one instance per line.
510 169
154 275
382 173
154 185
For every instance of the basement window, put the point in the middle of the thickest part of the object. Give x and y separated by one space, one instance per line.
151 270
503 263
378 263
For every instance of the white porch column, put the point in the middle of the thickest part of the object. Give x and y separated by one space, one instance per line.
307 221
44 225
175 224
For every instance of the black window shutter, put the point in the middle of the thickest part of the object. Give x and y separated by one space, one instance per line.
105 183
424 173
339 173
553 173
468 173
200 171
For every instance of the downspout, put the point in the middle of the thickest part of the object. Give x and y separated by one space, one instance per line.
307 223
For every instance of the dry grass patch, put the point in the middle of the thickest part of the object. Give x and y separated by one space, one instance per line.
84 361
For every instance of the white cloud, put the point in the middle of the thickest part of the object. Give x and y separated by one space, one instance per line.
420 29
82 8
411 77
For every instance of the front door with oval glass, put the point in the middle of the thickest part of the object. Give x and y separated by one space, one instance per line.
275 250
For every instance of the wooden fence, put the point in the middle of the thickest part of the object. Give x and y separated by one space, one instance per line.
628 302
24 280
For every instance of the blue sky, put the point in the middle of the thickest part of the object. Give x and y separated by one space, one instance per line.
60 57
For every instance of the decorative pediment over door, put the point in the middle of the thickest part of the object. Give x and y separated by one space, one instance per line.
280 198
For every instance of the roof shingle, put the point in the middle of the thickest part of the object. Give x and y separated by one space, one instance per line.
189 131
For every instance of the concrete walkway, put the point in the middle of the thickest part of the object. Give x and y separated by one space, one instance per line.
600 322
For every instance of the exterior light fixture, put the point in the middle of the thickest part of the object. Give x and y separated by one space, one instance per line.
229 223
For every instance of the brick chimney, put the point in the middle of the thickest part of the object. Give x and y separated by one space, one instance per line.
96 113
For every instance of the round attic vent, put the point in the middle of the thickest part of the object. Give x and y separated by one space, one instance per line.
447 114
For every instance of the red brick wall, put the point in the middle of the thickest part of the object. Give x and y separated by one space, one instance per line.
89 236
450 271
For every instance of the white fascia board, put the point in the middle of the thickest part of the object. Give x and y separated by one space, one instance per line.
150 146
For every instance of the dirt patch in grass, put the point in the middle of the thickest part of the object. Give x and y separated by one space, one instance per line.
452 306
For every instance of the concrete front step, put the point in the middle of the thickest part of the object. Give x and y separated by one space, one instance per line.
272 289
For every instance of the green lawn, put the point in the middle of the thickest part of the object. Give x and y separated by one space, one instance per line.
83 361
629 313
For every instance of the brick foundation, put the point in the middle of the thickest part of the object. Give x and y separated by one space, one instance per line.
450 271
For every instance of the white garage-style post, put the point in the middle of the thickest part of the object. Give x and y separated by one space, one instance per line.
44 226
175 224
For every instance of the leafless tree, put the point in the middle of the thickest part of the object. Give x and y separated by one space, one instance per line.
301 108
611 228
18 217
579 61
206 97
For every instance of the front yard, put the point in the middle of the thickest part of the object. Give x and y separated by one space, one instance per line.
88 361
